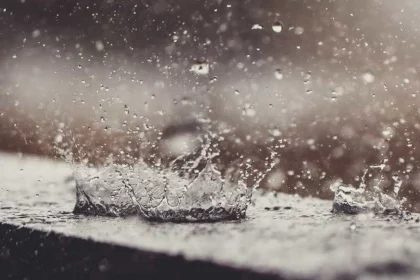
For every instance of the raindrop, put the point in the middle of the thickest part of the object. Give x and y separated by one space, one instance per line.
257 27
276 179
275 132
277 27
200 68
388 132
250 112
58 138
278 74
214 79
368 77
299 30
99 46
36 33
397 184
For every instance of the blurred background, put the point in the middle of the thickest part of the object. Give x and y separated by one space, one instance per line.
331 86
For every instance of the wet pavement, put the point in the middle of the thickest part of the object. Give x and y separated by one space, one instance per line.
283 236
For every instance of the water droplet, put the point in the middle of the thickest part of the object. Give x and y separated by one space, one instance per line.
277 27
36 33
388 132
58 138
275 132
275 179
213 80
368 77
257 27
397 184
200 68
99 46
278 74
249 110
353 227
299 30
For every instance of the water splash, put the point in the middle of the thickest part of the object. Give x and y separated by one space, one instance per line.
350 200
187 188
207 198
160 195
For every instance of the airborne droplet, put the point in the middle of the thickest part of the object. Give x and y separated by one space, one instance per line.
278 74
299 30
200 68
99 46
277 27
368 77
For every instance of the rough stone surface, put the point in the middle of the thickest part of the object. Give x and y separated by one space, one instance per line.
283 237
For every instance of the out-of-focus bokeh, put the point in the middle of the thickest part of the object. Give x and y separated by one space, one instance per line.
331 86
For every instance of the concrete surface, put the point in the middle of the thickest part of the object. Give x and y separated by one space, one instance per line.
283 237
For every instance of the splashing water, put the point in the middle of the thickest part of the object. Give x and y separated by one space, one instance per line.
161 195
189 189
350 200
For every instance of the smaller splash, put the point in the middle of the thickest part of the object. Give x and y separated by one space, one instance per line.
350 200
